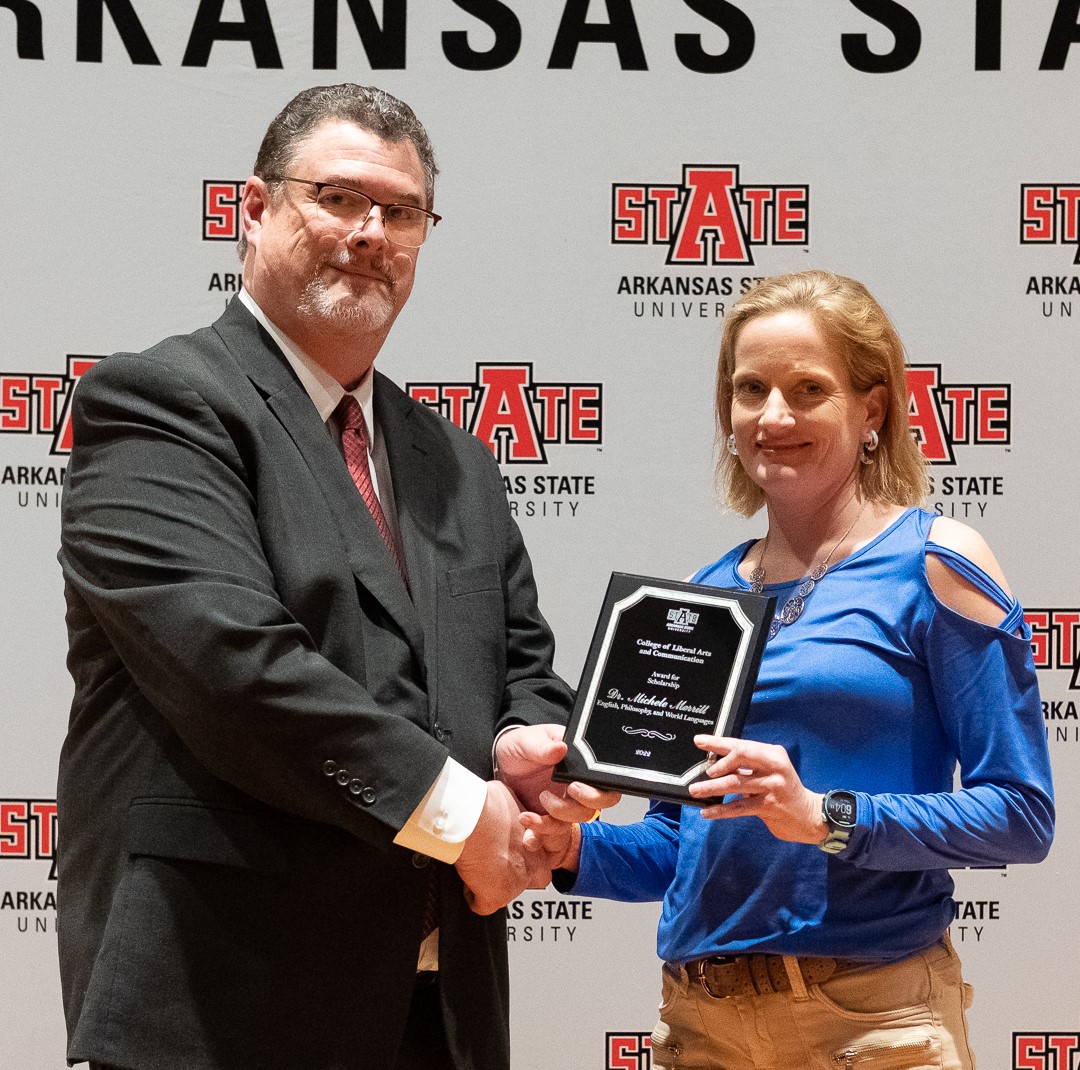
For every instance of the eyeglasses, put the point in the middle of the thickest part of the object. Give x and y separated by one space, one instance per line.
349 209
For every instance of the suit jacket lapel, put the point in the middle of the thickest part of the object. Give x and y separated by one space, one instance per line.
423 482
286 398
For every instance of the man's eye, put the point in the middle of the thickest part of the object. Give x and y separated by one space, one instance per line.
339 198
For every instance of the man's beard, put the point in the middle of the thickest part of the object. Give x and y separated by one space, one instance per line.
370 311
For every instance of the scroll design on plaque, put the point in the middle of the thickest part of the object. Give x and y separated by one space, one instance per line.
649 733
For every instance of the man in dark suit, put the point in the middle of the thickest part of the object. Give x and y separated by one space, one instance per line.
300 617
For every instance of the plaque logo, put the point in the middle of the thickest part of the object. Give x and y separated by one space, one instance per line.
682 619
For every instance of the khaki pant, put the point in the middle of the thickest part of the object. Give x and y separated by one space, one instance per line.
907 1015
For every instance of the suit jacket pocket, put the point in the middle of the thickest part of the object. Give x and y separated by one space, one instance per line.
474 578
192 832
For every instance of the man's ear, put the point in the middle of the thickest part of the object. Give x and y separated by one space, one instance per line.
254 202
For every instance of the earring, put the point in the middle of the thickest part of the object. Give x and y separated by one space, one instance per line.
731 447
868 447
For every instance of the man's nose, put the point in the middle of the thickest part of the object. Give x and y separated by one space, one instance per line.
371 231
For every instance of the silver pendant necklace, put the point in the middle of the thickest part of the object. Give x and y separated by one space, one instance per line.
793 607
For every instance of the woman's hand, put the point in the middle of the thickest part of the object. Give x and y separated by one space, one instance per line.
765 785
556 835
558 843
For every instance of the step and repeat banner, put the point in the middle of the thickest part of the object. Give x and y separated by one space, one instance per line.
615 174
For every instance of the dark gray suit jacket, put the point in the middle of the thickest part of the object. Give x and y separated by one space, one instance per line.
260 705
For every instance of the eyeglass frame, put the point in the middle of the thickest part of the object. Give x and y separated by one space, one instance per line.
320 186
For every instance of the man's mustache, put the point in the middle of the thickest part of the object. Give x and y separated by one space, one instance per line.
382 272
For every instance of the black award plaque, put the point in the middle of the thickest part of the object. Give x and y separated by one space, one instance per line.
668 661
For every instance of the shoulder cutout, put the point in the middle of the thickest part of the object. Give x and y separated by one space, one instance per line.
953 589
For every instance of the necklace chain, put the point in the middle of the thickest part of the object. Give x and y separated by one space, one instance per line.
793 607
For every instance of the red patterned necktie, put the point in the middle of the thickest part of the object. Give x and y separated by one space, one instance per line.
354 442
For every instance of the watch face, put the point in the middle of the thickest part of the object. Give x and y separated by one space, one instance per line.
840 808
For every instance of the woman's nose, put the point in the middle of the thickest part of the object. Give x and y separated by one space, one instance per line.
775 411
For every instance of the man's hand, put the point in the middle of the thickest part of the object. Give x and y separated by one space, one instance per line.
494 864
525 758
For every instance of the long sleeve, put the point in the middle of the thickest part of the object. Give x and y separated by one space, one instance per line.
633 863
987 696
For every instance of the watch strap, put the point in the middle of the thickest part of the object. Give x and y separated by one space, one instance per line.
838 834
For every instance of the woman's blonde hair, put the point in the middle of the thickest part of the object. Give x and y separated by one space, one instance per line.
860 332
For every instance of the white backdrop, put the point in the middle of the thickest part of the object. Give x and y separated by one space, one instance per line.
926 148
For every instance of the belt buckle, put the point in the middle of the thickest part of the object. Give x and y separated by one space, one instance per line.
737 981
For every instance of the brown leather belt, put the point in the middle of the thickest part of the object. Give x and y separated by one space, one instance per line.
760 975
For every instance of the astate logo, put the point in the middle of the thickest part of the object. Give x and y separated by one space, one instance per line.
1050 214
32 403
956 414
221 210
515 416
28 830
1046 1051
628 1051
1055 640
710 217
683 616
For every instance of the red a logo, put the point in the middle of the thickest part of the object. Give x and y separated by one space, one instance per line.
515 416
709 230
711 217
944 415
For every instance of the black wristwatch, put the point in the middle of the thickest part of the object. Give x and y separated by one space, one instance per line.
839 811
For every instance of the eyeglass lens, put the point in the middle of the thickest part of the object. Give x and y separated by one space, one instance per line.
348 208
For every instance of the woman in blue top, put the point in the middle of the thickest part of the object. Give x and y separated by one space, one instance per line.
806 904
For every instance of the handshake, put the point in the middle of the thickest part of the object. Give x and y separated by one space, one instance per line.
528 826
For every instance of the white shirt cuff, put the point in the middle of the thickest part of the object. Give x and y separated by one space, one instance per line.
447 814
